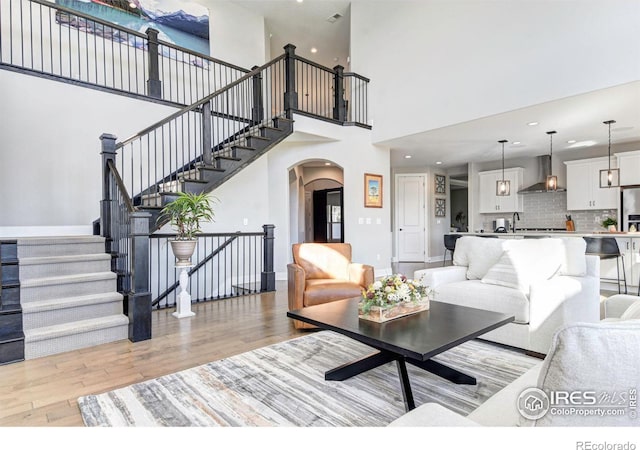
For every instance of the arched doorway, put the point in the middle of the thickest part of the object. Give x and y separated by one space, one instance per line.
316 202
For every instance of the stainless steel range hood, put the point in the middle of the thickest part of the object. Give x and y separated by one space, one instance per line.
543 169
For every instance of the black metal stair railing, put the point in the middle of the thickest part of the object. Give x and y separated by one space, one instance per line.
192 149
226 265
49 39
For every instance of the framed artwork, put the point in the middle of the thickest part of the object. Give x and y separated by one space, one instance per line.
440 184
441 204
372 190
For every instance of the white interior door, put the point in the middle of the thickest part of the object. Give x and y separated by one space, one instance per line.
410 223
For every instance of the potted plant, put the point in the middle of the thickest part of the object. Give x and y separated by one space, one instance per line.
185 214
610 223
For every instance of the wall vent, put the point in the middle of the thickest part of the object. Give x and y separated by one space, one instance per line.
334 17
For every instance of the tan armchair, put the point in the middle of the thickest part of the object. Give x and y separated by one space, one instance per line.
322 273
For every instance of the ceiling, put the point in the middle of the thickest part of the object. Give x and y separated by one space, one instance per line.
305 25
578 118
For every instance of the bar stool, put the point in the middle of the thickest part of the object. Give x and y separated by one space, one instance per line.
607 248
449 245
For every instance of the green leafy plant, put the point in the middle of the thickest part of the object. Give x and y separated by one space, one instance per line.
187 212
608 222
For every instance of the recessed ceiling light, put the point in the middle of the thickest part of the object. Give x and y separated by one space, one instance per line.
571 141
327 164
299 1
438 162
532 124
407 156
314 50
516 143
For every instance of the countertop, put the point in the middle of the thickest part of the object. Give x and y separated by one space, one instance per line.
556 233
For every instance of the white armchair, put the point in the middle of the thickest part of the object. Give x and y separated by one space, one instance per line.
505 275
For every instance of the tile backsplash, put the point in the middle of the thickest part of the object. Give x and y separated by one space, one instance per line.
548 210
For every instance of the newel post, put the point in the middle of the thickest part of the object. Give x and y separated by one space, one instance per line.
207 144
139 301
257 110
268 276
108 152
339 108
290 94
154 86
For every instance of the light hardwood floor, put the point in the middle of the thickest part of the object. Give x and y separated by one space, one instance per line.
44 391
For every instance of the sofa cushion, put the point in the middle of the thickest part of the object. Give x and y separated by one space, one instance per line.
632 312
319 291
476 294
526 261
477 254
509 273
601 358
574 262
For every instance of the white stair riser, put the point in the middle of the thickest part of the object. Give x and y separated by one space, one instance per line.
35 293
74 341
64 268
81 248
59 316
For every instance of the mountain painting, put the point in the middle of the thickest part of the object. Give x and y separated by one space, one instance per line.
182 23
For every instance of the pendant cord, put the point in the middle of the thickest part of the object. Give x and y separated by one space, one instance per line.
609 147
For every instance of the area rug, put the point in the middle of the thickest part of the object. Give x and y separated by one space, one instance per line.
283 385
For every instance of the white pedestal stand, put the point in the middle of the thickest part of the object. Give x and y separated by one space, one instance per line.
183 303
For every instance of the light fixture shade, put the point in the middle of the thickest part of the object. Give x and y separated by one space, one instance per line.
609 178
552 183
503 188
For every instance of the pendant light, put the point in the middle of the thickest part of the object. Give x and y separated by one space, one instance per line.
503 186
609 177
552 180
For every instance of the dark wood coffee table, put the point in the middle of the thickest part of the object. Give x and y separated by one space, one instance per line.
413 339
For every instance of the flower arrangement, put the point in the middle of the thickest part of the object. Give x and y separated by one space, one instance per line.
392 291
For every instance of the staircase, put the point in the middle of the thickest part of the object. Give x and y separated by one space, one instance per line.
228 158
68 295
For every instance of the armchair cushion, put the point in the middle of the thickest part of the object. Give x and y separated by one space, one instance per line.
328 290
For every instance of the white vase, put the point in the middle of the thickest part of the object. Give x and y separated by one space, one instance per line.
183 251
612 228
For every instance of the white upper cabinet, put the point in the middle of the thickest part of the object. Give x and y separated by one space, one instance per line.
629 163
583 185
492 203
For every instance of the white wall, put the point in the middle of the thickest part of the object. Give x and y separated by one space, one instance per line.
236 34
50 157
435 63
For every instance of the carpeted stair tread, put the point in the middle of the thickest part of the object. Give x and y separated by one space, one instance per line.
71 328
59 240
33 260
70 302
68 279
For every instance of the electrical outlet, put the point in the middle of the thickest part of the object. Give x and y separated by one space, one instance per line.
245 221
378 256
360 221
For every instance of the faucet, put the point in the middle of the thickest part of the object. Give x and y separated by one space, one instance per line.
513 221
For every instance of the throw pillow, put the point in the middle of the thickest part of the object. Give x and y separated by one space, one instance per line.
481 254
508 273
632 312
574 262
539 258
599 358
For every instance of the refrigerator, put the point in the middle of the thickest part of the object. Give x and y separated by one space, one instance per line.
630 207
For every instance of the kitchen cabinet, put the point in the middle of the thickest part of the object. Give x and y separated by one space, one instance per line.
492 203
629 163
630 250
583 185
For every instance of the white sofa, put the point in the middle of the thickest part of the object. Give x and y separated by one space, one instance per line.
545 283
601 358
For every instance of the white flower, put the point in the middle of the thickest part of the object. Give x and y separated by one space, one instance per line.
387 289
392 297
377 285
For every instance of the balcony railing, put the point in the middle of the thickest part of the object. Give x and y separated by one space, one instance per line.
50 39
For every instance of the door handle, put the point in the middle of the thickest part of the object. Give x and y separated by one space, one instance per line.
400 229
